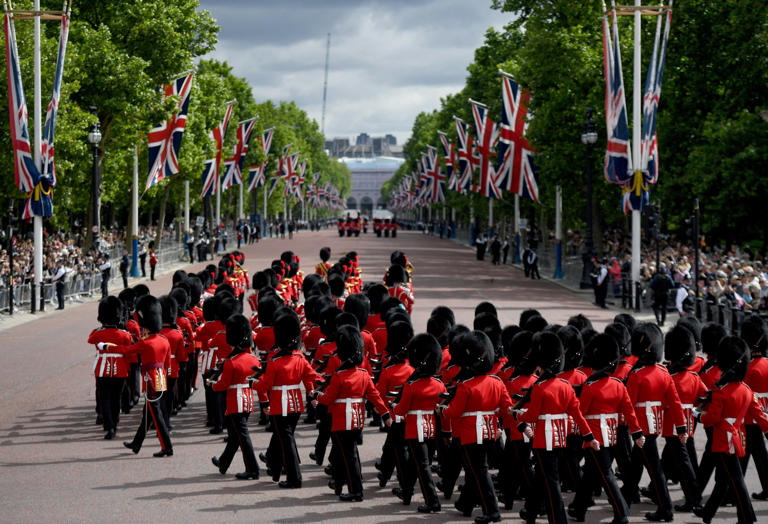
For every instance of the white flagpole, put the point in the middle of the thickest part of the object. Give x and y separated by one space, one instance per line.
38 221
558 233
637 109
135 215
218 203
490 214
264 217
240 202
516 258
186 205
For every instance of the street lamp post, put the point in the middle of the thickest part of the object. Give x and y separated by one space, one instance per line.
94 137
588 138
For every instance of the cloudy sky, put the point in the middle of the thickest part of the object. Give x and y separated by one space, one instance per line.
390 59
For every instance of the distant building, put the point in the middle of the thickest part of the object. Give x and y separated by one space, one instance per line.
364 146
368 175
363 139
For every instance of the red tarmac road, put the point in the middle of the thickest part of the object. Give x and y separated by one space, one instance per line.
56 467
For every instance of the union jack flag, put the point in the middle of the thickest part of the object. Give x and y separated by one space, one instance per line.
449 155
468 157
487 135
436 176
515 170
211 170
272 184
618 154
164 141
234 166
257 176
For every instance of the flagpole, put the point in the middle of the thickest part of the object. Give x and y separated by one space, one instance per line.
453 222
240 202
186 205
264 217
38 220
135 215
218 202
471 219
516 259
636 139
490 217
558 233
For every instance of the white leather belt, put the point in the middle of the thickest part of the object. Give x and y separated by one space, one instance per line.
548 429
284 394
604 429
103 357
240 399
729 435
348 408
420 413
650 416
479 422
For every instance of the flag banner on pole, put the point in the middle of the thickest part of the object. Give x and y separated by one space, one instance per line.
164 141
436 176
487 135
265 141
515 168
618 154
257 176
233 167
449 156
211 178
468 158
272 184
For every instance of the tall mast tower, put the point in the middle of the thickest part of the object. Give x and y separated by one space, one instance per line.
325 82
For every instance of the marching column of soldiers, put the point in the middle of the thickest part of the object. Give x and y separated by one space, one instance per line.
549 408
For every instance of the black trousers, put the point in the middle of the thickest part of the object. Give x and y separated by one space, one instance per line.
622 451
125 279
282 452
660 309
152 271
168 400
598 472
323 432
215 405
191 249
729 477
418 468
756 450
346 460
60 293
682 468
478 488
109 390
707 464
393 454
516 471
570 460
648 457
547 487
450 468
153 410
104 287
132 388
238 438
143 262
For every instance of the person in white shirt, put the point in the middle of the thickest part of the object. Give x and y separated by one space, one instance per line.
58 279
106 270
600 282
683 293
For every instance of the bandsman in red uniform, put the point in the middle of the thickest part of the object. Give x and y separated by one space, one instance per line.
176 340
133 382
732 401
219 349
185 321
397 284
417 402
155 354
323 267
347 390
693 325
235 381
439 326
286 382
622 452
110 367
203 334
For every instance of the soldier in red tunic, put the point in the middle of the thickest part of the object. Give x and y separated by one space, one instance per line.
234 380
418 399
573 345
283 387
155 354
323 267
552 400
473 411
603 397
176 340
133 382
110 367
396 280
344 396
732 401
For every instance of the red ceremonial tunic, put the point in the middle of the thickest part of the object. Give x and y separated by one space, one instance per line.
757 380
176 341
624 367
264 339
132 327
345 397
652 391
515 387
403 293
575 377
219 348
698 363
689 387
446 360
725 414
391 377
551 402
374 323
710 375
204 334
417 404
474 409
155 353
286 383
234 380
110 362
312 338
601 402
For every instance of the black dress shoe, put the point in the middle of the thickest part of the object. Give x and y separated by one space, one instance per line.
336 489
760 496
246 475
351 497
328 470
99 420
466 511
377 465
313 456
110 435
163 453
447 493
216 430
289 485
649 494
699 512
130 446
658 516
686 508
310 420
216 463
402 495
382 479
429 508
263 457
576 515
484 519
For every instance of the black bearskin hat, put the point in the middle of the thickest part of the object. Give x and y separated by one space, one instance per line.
287 330
604 353
620 334
479 350
580 322
325 254
346 319
693 325
399 258
438 327
626 319
205 278
390 305
647 343
309 282
755 333
260 280
287 257
455 349
586 335
679 348
349 345
273 281
224 289
489 324
506 337
210 307
549 352
178 276
519 351
110 311
733 359
425 354
239 333
267 306
534 324
170 310
181 297
399 333
396 274
526 314
485 307
195 290
572 345
149 313
358 305
444 312
127 298
328 321
337 285
376 294
140 290
227 307
711 335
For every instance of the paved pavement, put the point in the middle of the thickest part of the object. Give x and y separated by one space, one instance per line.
57 468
